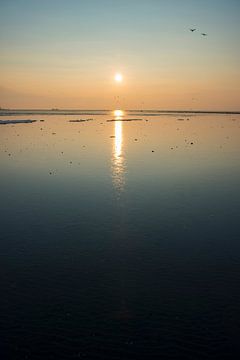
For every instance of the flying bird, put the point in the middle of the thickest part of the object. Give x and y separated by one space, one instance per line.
192 30
203 34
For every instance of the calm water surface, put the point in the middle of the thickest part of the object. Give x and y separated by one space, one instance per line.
120 239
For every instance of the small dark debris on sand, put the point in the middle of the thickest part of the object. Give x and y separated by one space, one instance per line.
112 136
80 120
124 120
152 150
8 122
181 119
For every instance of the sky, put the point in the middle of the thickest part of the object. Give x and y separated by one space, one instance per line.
64 54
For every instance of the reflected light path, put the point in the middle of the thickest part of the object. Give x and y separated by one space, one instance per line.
118 162
118 140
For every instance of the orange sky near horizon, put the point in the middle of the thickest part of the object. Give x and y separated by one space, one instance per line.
70 62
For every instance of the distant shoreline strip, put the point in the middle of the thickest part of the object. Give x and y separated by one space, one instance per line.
146 112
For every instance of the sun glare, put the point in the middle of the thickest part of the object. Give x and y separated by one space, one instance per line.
118 114
118 77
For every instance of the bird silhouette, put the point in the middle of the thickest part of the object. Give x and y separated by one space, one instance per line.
192 30
203 34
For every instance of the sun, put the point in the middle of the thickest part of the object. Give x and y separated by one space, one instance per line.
118 77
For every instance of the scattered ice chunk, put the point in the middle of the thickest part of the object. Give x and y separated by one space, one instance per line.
7 122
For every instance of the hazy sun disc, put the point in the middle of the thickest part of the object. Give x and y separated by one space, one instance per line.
118 77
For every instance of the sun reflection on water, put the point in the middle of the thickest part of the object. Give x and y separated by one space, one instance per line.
118 140
118 161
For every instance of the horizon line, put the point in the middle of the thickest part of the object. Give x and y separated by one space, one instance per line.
59 110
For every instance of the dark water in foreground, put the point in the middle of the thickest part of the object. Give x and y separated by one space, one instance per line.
120 240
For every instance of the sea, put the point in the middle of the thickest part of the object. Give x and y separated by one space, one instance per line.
120 234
